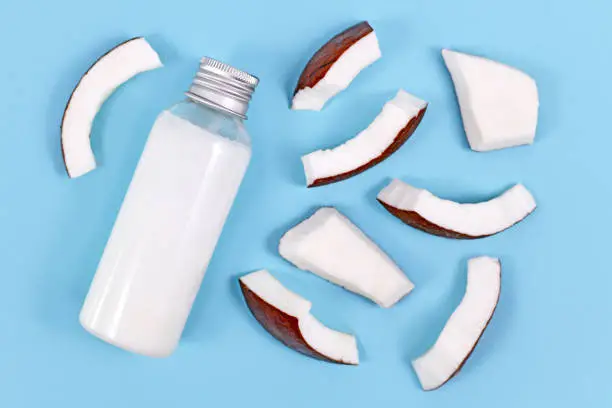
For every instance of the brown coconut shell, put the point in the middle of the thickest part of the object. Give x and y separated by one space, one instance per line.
401 138
415 220
285 328
329 53
477 340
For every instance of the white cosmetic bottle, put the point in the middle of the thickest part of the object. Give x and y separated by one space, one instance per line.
172 215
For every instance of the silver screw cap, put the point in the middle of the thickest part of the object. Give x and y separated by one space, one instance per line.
223 87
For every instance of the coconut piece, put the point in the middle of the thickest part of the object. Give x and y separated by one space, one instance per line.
110 71
499 104
465 326
330 246
286 316
423 210
396 122
334 66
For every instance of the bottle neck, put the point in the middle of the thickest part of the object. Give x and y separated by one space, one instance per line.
211 105
215 109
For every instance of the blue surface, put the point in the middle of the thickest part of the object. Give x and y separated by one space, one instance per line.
549 343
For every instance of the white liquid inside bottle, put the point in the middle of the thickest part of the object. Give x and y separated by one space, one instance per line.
167 229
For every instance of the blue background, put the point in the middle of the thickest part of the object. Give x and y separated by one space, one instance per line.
549 343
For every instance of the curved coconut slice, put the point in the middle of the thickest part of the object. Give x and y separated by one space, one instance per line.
464 328
499 104
423 210
335 65
110 71
392 127
330 246
286 316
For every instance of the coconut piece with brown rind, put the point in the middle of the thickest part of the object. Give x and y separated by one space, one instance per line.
286 316
334 66
422 210
465 327
109 72
397 121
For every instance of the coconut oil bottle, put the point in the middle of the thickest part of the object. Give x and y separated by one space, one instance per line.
172 216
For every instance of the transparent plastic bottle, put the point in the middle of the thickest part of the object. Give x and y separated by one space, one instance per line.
172 215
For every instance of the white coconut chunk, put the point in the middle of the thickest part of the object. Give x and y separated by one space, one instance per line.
356 58
378 141
499 104
472 220
330 246
109 72
465 327
332 344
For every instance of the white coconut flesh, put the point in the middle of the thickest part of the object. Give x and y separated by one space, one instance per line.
499 104
359 56
330 246
465 327
333 344
476 220
107 74
369 144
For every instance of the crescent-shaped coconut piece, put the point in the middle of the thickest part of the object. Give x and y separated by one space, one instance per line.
286 316
464 328
110 71
329 245
422 210
334 66
499 104
396 122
